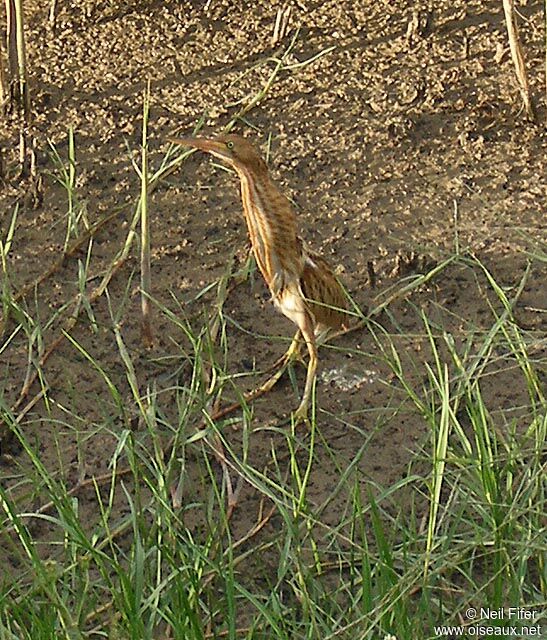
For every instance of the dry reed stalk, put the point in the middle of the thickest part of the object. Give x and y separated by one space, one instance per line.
11 40
4 91
518 57
15 36
52 17
281 27
24 93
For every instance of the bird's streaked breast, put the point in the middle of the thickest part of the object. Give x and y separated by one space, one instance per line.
272 230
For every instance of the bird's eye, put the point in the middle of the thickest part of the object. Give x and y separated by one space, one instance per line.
230 144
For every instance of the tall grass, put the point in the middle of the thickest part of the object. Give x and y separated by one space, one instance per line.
464 527
146 276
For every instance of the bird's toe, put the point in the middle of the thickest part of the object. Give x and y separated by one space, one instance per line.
301 414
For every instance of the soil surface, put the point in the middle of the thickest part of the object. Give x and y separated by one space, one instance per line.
395 128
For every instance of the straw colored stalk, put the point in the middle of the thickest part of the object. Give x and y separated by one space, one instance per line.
518 57
146 326
4 93
17 56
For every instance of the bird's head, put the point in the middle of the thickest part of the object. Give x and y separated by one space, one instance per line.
232 149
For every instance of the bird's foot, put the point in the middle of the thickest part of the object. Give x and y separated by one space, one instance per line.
291 355
301 414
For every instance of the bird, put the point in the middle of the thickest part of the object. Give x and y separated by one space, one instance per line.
302 284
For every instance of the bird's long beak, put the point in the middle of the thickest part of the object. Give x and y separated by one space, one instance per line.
210 145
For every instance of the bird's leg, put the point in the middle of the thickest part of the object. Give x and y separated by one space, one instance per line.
301 414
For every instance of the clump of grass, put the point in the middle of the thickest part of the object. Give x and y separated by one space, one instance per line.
65 175
463 527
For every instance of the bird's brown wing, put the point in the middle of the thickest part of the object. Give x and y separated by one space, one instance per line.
324 294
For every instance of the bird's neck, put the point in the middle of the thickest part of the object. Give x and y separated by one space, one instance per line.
271 223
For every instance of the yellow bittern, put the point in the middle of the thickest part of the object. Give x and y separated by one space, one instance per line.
301 282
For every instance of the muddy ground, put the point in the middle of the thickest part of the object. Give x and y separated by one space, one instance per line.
402 140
